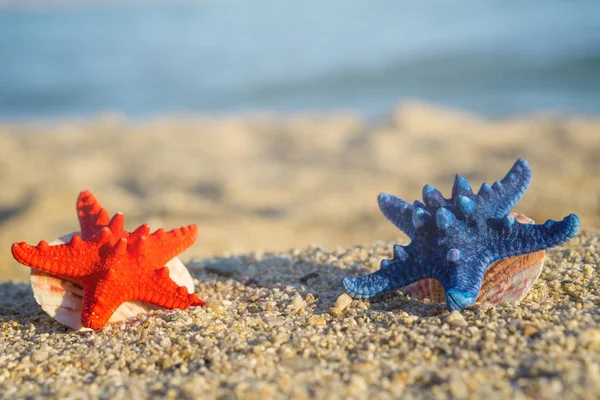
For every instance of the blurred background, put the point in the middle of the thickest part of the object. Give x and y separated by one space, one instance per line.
275 124
495 58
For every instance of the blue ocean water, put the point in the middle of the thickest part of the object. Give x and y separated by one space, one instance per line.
492 57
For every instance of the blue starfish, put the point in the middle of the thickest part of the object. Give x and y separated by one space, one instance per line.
455 240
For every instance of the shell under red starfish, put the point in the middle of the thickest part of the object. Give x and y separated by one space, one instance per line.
112 265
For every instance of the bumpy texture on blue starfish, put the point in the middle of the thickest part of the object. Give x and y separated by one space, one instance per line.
455 240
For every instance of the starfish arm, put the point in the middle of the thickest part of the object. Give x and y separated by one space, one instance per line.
162 246
398 212
528 238
502 196
465 284
74 259
92 216
393 274
160 290
101 298
462 279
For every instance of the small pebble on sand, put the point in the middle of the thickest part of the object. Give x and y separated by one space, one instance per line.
456 319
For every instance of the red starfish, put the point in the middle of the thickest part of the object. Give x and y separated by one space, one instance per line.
112 265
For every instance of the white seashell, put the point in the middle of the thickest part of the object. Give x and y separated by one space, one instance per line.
62 298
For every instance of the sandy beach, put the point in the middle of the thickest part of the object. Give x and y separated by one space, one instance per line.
286 207
269 331
274 182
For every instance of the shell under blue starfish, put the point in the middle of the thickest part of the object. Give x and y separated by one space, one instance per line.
455 240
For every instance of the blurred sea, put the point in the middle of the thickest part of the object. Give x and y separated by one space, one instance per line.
491 57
